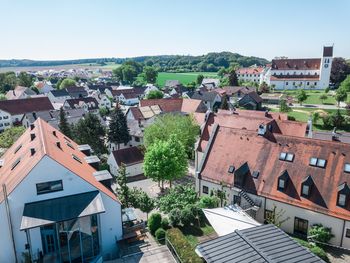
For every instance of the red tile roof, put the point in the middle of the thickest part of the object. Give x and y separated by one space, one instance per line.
175 105
21 106
135 111
257 70
262 154
296 64
128 156
44 144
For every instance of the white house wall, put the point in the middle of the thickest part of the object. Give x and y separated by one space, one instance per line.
49 170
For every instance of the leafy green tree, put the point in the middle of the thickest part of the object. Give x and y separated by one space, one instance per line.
8 81
340 70
187 218
232 77
184 127
150 74
345 85
320 233
220 194
301 96
200 78
264 88
67 83
63 125
104 112
315 117
90 131
284 106
160 235
155 94
224 103
122 190
175 217
154 222
276 217
337 119
10 136
222 72
128 71
118 129
341 95
165 160
2 97
146 203
25 79
209 201
323 97
191 85
129 74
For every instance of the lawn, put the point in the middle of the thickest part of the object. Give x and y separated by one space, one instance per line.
184 78
192 233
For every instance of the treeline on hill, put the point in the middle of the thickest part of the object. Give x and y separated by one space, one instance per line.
210 62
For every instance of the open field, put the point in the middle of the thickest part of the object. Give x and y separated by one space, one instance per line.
91 66
184 78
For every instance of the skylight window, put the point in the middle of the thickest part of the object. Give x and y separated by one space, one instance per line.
313 161
70 145
76 158
289 157
231 169
15 163
347 168
318 162
255 174
18 147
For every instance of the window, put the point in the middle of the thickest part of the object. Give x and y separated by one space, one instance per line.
281 184
305 190
49 187
76 158
70 145
293 83
308 83
18 147
347 168
255 174
317 162
137 139
300 226
6 117
237 200
205 189
341 200
231 169
289 157
268 214
347 233
287 83
15 163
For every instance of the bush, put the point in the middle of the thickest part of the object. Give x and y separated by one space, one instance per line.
209 202
175 217
187 217
165 223
320 233
291 118
154 222
182 246
319 252
160 235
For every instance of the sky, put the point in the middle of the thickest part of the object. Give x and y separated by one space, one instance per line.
73 29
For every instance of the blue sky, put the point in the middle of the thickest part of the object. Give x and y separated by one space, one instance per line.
67 29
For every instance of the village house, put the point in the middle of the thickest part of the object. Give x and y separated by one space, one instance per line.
44 87
272 163
131 158
52 205
19 93
252 74
12 111
245 97
210 98
89 104
77 92
58 97
210 84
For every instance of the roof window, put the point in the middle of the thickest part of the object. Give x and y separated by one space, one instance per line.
318 162
18 147
15 163
289 157
70 145
255 174
76 158
347 168
231 169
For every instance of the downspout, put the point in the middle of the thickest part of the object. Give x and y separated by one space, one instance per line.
9 221
342 234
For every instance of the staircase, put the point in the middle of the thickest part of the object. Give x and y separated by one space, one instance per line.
244 194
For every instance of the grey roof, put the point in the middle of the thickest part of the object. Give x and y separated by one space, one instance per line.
59 93
172 83
265 243
205 96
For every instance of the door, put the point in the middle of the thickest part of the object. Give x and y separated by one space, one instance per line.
49 240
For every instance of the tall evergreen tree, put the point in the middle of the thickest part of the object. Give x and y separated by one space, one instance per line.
63 124
232 77
118 129
224 103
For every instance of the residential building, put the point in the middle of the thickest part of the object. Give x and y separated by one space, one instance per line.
252 74
19 93
271 163
303 73
58 97
210 98
210 84
131 157
186 106
245 97
12 111
89 104
52 206
44 87
102 99
77 92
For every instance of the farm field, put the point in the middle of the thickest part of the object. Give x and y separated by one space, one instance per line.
184 78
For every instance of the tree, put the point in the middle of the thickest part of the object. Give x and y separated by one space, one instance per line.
222 72
25 80
232 77
220 194
10 136
284 106
63 125
154 222
122 190
315 117
301 96
128 71
209 201
104 111
275 217
264 88
341 95
149 74
8 81
345 85
187 218
67 83
224 103
146 203
118 128
337 119
155 94
340 70
165 160
184 127
323 97
90 131
200 78
320 233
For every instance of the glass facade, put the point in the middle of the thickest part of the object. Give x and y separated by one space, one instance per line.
71 241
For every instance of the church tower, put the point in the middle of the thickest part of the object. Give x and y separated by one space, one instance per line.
325 67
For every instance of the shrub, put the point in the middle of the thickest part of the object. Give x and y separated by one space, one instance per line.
175 217
182 246
291 118
160 235
319 252
154 222
165 223
208 202
320 233
187 217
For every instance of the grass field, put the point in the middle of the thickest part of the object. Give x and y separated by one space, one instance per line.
184 78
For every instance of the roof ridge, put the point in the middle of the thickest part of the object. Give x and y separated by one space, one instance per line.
42 137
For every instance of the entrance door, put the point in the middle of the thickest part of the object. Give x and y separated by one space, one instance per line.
49 240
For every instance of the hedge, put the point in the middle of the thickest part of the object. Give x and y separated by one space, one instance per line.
182 246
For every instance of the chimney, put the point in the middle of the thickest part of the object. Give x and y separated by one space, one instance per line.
32 126
32 151
32 136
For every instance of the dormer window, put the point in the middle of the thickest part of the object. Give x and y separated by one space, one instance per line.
347 168
289 157
317 162
343 195
306 186
282 181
